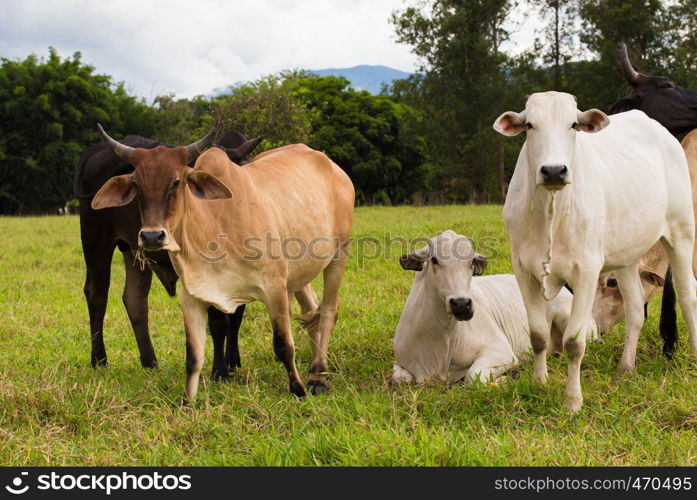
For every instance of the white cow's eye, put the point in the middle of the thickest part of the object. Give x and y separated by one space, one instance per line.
434 261
529 125
574 125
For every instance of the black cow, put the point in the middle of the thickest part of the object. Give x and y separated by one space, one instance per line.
104 230
659 97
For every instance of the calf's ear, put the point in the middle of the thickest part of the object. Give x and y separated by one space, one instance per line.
414 261
205 186
510 123
116 192
592 120
650 276
478 264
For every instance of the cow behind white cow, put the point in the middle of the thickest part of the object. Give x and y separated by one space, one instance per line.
581 203
456 327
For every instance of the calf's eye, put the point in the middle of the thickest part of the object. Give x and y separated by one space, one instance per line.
612 283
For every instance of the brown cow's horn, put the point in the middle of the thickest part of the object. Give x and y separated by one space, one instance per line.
629 72
195 149
120 150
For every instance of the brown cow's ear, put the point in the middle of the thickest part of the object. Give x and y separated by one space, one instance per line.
116 192
510 123
592 120
478 264
650 276
205 186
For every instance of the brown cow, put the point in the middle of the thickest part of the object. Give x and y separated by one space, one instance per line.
275 225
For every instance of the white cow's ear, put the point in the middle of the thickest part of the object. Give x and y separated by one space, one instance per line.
510 123
478 264
592 120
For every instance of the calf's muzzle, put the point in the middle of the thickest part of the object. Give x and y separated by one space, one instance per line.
461 308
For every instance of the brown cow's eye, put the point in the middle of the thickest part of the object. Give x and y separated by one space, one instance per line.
175 184
612 283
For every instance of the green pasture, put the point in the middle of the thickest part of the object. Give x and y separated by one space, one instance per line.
55 409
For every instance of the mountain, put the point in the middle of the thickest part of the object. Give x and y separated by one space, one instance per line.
362 77
365 77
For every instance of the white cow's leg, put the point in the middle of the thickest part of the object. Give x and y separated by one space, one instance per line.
531 291
630 287
680 256
328 313
580 323
195 326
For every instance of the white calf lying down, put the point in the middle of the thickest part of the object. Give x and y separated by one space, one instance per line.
457 327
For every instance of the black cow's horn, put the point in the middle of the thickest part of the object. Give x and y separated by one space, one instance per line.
629 72
120 150
195 149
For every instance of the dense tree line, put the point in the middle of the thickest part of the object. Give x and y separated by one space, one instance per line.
426 138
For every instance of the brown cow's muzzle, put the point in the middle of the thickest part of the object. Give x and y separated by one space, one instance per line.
154 239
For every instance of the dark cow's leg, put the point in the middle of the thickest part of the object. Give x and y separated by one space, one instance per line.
218 325
98 263
135 298
232 349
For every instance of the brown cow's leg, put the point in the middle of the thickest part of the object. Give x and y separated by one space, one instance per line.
232 350
329 310
135 298
195 326
283 345
98 263
218 324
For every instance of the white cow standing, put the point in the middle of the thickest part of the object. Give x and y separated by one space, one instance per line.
456 327
581 203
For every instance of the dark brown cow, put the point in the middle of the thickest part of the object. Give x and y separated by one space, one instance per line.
103 231
659 97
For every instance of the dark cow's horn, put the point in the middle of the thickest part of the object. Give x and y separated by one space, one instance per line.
629 72
195 149
120 150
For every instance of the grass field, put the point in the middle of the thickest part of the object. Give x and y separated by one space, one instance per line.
55 409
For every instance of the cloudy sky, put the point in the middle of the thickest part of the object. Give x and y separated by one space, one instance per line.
191 47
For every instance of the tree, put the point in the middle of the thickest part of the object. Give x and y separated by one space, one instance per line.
463 88
48 112
371 137
265 108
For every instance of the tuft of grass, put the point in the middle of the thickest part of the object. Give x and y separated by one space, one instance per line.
56 410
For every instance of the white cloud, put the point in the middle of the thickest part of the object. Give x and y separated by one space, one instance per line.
190 48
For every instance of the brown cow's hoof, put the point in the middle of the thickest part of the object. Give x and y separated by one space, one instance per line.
625 370
297 389
317 387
